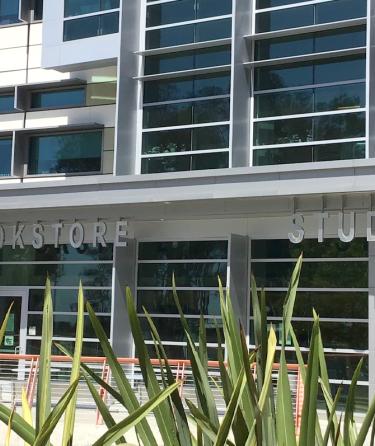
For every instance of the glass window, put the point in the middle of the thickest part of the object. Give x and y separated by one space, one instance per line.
325 12
310 43
324 274
286 131
186 88
9 12
170 141
92 26
38 9
179 250
328 304
185 113
185 10
340 97
88 348
335 70
92 275
65 153
311 248
343 151
192 301
66 300
49 253
5 156
188 60
273 3
101 93
71 97
180 35
180 163
80 7
6 103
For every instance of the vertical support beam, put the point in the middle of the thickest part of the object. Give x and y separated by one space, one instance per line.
124 276
371 316
240 104
239 277
128 89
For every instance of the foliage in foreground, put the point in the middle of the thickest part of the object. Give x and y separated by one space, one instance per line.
255 413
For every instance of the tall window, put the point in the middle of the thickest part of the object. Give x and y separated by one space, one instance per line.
186 119
334 281
79 152
309 88
6 156
196 266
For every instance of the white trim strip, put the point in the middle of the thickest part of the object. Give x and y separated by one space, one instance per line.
182 101
310 86
185 127
311 115
191 152
309 143
189 22
184 73
185 47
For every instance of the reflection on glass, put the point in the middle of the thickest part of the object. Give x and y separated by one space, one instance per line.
65 153
307 154
188 60
186 88
324 274
80 7
88 348
181 250
320 128
180 352
184 140
92 26
311 248
193 302
185 10
170 329
325 12
9 11
180 35
185 113
67 301
310 43
185 162
58 98
5 156
6 103
186 274
335 70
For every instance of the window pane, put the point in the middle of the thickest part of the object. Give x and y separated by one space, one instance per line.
209 8
186 88
171 12
207 138
340 97
284 103
92 26
58 98
335 11
66 300
183 250
9 10
101 93
285 155
284 18
170 329
187 60
310 43
272 3
5 156
65 153
326 304
350 125
6 103
88 348
186 274
60 275
336 70
314 275
185 162
311 248
343 151
193 302
38 10
80 7
180 352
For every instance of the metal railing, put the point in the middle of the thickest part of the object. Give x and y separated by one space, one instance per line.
21 371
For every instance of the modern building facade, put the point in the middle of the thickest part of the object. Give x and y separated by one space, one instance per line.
196 137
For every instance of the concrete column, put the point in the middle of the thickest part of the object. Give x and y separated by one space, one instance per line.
124 275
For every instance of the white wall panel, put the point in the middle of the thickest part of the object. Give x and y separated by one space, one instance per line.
36 31
13 59
11 78
13 36
40 75
35 56
11 121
